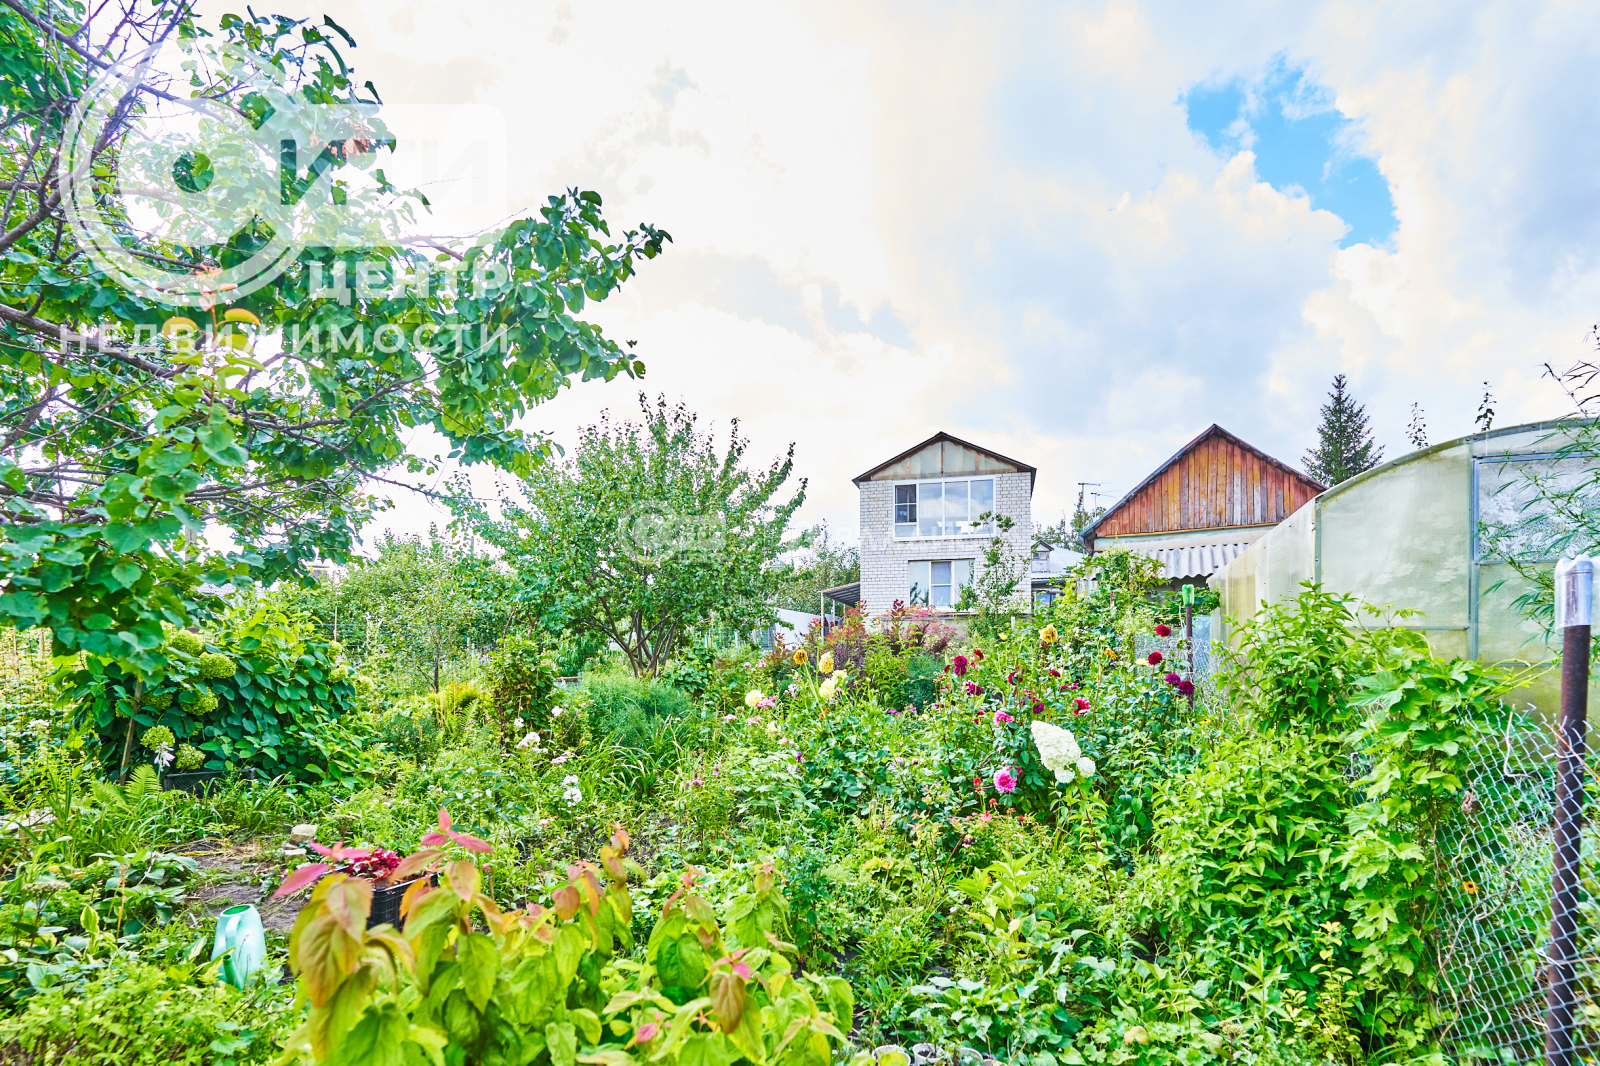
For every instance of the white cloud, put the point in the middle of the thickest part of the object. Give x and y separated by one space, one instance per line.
1057 267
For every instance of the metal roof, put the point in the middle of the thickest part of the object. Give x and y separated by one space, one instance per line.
1196 560
849 595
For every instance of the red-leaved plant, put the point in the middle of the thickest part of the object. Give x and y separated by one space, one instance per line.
353 859
472 984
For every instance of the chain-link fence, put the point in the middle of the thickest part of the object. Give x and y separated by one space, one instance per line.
1492 926
1175 649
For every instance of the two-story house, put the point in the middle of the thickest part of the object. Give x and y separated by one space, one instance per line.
923 531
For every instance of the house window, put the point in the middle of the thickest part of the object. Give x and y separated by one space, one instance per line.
938 583
945 508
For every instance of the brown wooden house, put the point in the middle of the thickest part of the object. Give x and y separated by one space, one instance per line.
1204 506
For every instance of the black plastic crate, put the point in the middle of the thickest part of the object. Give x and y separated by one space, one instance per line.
386 903
196 783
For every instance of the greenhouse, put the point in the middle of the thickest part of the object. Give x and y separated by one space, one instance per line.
1414 534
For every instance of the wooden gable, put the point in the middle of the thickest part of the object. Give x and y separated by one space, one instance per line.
1215 481
944 456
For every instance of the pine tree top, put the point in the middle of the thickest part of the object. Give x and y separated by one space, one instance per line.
1345 446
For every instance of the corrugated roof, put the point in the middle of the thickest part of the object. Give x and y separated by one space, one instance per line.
1196 560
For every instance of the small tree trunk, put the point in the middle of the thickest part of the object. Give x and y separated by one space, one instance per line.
127 743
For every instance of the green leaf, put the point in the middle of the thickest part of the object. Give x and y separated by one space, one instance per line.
562 1040
479 959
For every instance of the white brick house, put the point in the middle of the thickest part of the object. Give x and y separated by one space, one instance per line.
921 538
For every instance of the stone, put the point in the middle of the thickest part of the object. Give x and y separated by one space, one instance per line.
300 834
291 852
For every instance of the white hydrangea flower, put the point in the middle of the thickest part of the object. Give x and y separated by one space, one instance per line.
573 796
1058 750
531 739
569 780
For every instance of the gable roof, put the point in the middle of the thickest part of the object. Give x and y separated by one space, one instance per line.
937 438
1300 483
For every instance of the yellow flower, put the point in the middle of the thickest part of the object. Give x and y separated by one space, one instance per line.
799 657
1049 635
825 664
829 687
1471 889
753 697
1111 654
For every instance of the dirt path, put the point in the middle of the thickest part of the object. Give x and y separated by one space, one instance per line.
243 874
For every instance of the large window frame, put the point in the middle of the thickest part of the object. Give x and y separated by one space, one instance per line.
912 519
937 583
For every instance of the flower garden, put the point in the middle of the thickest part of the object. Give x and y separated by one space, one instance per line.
1039 842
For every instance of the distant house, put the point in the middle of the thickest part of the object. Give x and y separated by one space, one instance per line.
1203 507
922 533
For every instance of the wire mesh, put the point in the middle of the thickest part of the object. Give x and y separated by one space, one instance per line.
1491 931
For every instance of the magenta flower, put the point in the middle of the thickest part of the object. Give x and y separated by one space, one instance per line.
1163 631
1080 705
1006 779
1172 679
959 665
1186 687
1155 658
974 689
1001 718
1011 678
1038 707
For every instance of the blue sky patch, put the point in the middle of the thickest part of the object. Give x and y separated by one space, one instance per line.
1301 142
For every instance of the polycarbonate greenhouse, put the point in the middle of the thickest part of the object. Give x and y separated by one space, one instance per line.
1412 534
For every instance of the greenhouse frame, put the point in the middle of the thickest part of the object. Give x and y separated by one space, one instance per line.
1411 534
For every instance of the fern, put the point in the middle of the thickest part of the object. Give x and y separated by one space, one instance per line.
142 785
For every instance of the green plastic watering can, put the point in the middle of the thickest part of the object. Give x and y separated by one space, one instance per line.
241 938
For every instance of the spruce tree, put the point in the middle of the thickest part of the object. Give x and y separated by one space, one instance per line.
1345 446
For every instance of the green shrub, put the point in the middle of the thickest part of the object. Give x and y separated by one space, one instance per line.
138 1014
522 676
268 700
547 984
633 712
409 734
1248 856
1295 665
52 913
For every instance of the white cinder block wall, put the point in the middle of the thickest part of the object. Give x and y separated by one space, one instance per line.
885 576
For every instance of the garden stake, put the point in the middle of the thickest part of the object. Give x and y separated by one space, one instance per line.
1188 633
1574 595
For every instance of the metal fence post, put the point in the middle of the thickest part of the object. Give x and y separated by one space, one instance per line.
1574 597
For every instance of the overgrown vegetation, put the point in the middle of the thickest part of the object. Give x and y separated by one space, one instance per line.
1046 844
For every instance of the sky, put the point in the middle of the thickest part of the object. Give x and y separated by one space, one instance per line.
1076 234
